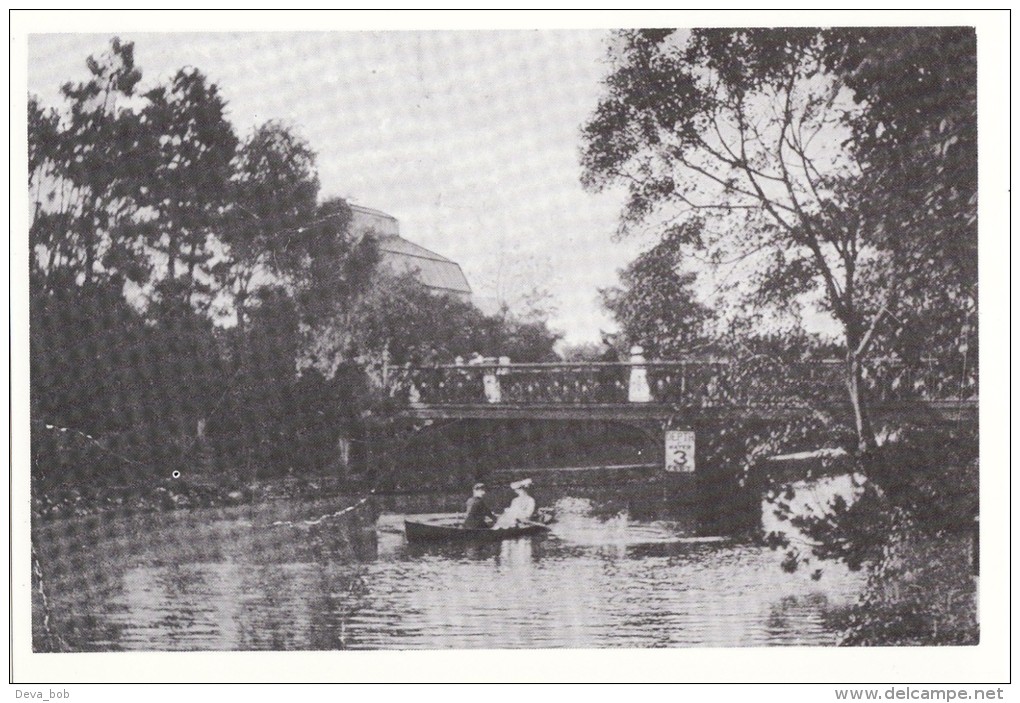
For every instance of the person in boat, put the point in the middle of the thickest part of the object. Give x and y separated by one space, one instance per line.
478 514
521 508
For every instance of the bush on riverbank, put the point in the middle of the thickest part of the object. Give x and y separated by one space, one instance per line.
913 526
923 592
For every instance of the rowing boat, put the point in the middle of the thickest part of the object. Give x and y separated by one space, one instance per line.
425 532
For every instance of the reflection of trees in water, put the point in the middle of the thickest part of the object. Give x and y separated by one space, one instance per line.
179 606
352 539
341 596
183 581
286 606
279 607
185 599
324 587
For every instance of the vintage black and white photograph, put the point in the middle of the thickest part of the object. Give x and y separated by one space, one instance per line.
507 339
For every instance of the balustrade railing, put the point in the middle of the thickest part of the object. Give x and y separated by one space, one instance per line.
754 382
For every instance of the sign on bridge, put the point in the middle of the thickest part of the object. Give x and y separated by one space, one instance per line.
680 451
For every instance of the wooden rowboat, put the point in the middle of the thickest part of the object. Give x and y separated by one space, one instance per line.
425 532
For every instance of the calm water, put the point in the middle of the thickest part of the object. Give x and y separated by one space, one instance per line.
234 580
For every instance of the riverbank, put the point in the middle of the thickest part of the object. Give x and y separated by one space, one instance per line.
178 494
923 593
921 573
642 491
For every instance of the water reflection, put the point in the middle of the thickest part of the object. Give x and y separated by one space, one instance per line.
234 581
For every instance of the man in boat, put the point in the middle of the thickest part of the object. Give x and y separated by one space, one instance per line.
521 508
478 515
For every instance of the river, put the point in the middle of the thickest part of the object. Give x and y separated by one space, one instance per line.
280 576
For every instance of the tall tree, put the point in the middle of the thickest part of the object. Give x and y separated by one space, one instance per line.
398 319
51 239
337 267
916 141
757 132
273 204
87 167
655 303
193 147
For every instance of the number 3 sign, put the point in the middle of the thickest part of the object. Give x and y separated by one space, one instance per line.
680 450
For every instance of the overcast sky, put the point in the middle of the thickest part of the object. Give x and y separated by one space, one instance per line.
469 138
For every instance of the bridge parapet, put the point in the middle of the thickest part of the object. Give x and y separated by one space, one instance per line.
754 382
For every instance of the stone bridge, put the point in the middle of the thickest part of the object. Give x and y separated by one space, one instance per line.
669 401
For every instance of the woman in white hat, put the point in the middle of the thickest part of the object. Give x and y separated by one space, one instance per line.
521 508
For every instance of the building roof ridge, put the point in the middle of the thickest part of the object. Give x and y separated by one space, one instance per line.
371 211
419 251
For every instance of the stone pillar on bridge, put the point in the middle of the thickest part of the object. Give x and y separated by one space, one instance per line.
490 385
638 390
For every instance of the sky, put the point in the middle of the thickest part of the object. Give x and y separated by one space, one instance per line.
470 138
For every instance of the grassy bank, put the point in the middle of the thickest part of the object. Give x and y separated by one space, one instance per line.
923 592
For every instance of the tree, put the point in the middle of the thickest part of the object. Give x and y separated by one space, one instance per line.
273 203
520 282
264 352
51 240
759 132
192 147
582 351
337 267
86 168
917 143
524 338
43 132
86 176
398 320
656 305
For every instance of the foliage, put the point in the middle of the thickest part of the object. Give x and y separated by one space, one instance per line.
400 319
775 140
922 479
273 201
85 170
752 336
582 351
917 142
921 593
523 339
192 145
113 393
917 136
911 523
335 268
656 305
520 282
195 305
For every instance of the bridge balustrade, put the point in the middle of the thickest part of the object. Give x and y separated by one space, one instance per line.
754 382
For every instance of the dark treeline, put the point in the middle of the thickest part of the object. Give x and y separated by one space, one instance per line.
196 305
